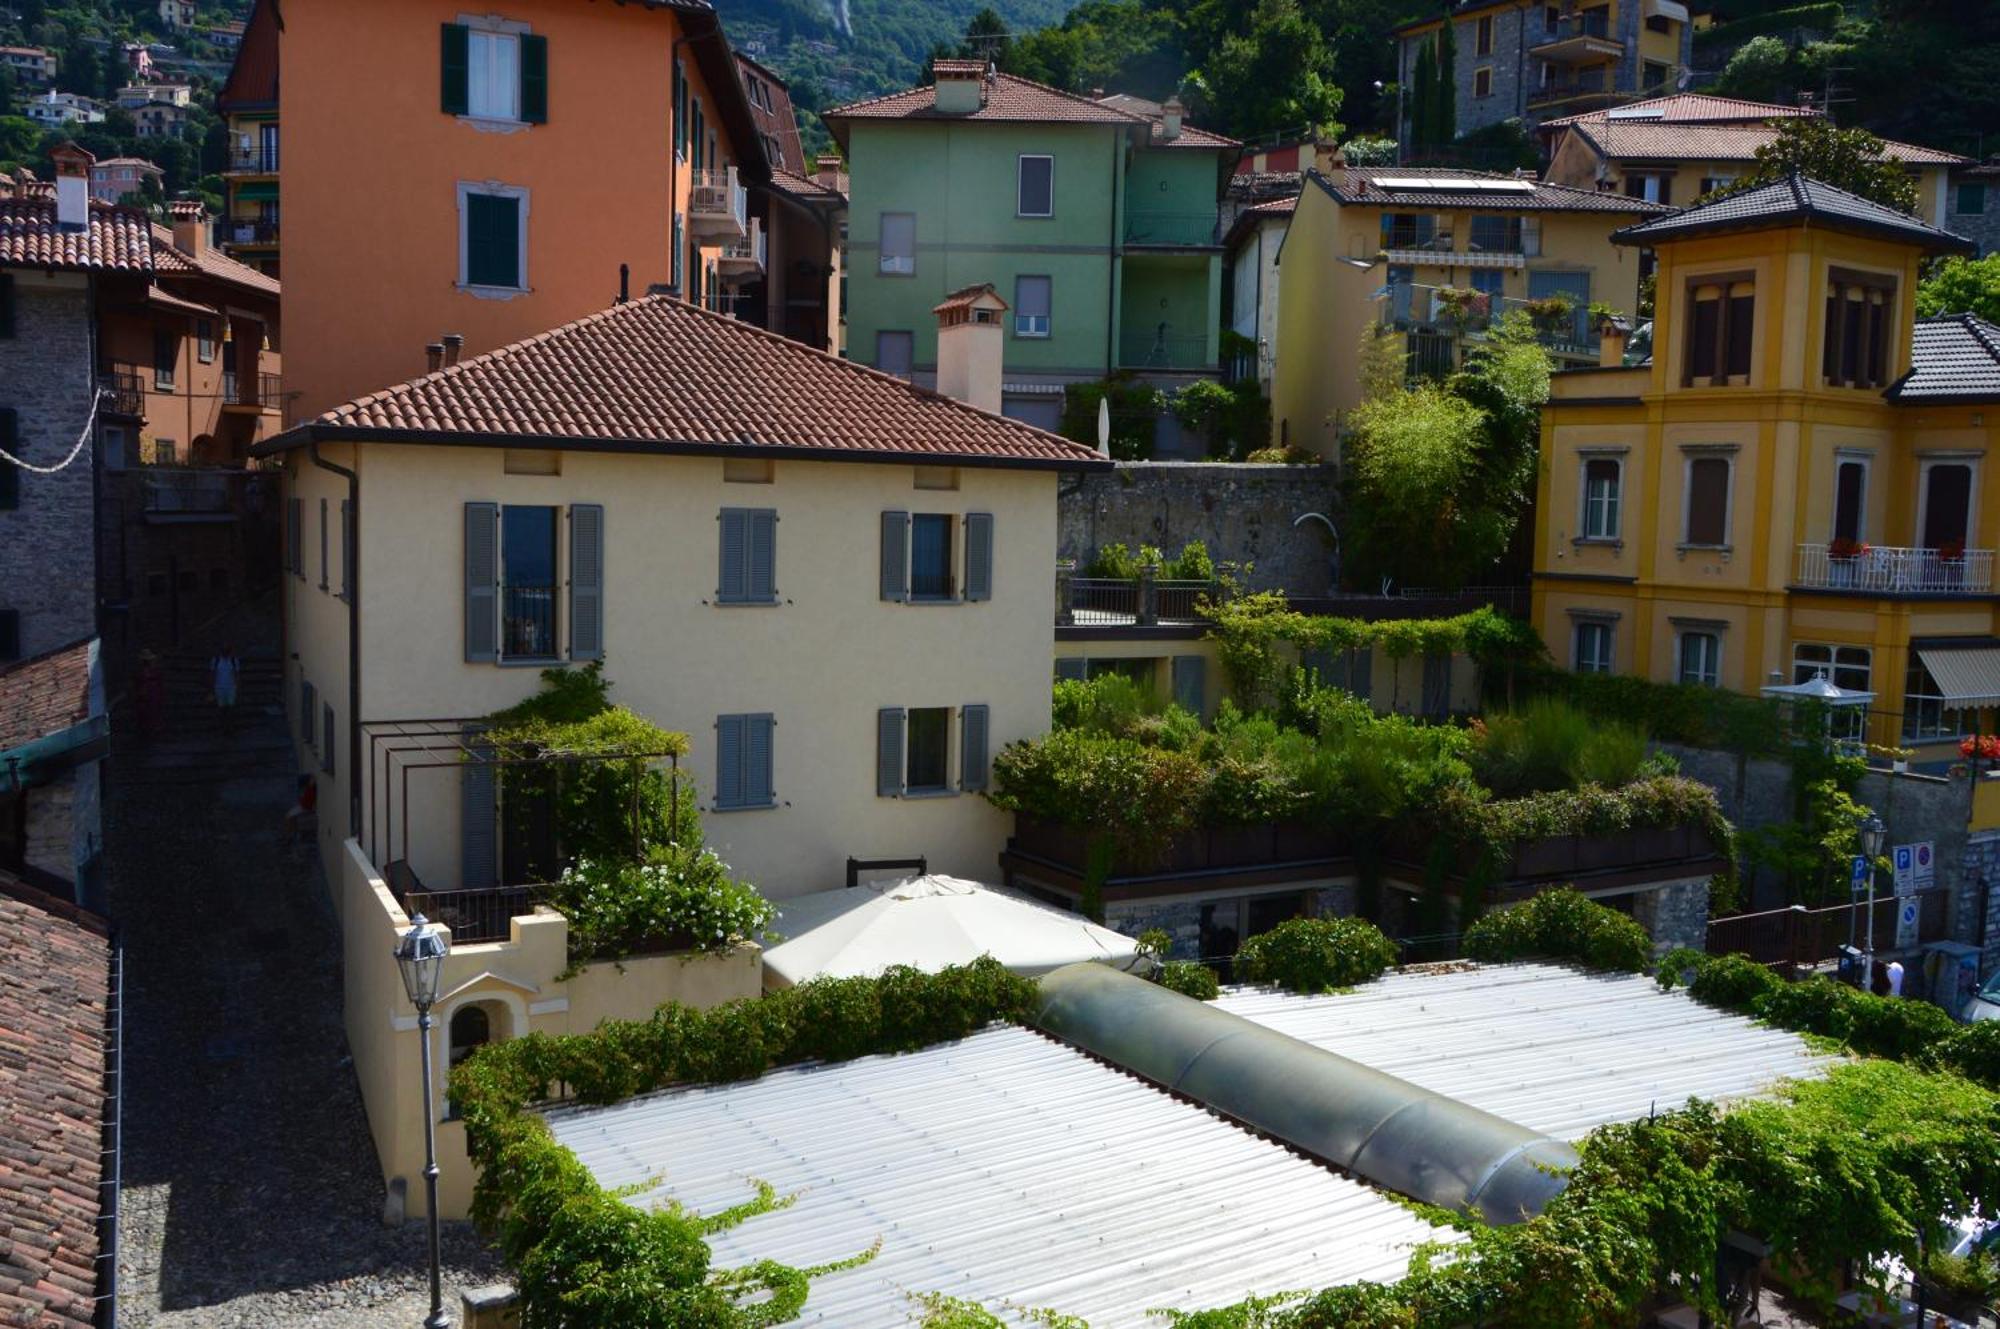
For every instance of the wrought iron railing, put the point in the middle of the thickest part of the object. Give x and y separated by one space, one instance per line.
1127 601
1150 227
1895 570
188 491
261 159
124 390
259 389
528 621
482 914
1095 600
248 230
1162 348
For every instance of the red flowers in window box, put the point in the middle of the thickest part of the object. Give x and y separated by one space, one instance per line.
1985 746
1846 548
1952 552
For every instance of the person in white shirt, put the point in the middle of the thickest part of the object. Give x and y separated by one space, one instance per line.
1895 978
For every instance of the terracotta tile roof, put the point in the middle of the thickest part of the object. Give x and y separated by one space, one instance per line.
115 241
1006 98
967 296
55 986
1685 108
773 115
1699 142
1798 200
1147 109
1952 359
800 186
211 263
662 372
43 695
940 68
1248 218
1437 187
1264 184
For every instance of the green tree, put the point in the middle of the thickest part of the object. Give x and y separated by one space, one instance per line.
1410 468
1962 286
1115 44
986 36
1850 159
8 105
1422 96
1761 70
1275 78
1444 92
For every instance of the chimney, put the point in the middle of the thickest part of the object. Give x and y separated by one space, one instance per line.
1170 119
1327 158
972 335
961 86
826 169
434 356
72 186
190 227
454 342
1612 334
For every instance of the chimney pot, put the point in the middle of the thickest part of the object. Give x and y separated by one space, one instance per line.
1170 119
190 225
434 354
454 342
72 186
972 325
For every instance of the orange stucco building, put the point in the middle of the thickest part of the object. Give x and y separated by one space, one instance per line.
487 174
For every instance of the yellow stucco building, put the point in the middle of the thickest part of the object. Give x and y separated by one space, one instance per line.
1796 483
1397 246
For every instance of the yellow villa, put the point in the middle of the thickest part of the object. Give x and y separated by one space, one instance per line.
1795 485
1436 255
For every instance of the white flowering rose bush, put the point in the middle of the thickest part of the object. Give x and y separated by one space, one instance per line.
681 898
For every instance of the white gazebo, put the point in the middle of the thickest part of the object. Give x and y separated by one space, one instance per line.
929 923
1826 692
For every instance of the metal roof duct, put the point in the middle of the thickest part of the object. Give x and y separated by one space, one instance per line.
1385 1130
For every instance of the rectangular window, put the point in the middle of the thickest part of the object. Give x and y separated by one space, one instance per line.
493 75
748 567
1482 81
1655 75
1700 659
204 340
1652 188
528 585
1408 230
1031 306
1847 667
1493 234
1855 351
1593 647
166 356
1035 187
1971 199
1602 481
893 353
931 556
1926 714
1658 23
1721 329
928 745
1490 282
1947 505
1850 494
743 776
1711 183
1708 501
490 242
1485 46
899 244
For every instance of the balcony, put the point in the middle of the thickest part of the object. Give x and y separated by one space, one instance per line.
718 206
1443 311
253 161
1179 230
248 230
256 392
1163 348
1102 602
1587 88
1893 570
122 391
744 260
178 492
1580 39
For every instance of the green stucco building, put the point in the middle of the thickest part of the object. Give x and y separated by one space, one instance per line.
1094 220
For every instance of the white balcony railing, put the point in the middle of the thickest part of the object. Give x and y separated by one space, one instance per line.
744 260
718 203
1896 570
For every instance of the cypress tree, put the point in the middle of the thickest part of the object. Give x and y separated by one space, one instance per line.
1445 120
1423 95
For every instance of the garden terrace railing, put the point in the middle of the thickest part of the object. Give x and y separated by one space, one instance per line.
1142 601
1180 601
1186 229
249 230
1799 938
476 915
1162 349
260 159
172 489
1101 600
124 392
1895 570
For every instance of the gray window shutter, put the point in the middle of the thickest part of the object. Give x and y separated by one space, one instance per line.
478 829
295 538
889 752
586 581
732 578
1437 686
979 556
729 791
347 549
763 555
482 582
1190 682
896 556
1071 670
322 545
308 711
758 786
326 739
972 747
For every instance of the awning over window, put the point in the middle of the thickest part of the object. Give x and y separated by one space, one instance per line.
1666 9
256 190
1966 676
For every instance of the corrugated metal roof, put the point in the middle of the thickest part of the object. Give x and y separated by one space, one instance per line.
1003 1166
1554 1049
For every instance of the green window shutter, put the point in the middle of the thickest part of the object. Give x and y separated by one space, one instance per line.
10 474
478 827
979 556
586 581
457 68
492 240
1071 669
889 752
763 556
972 747
896 556
482 583
732 579
534 79
1190 682
729 760
6 305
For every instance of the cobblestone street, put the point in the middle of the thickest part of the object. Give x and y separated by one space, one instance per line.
251 1195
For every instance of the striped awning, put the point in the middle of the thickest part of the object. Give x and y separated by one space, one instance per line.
1666 9
1965 675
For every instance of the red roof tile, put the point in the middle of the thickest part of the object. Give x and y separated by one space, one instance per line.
1006 98
211 263
55 984
43 695
1626 141
115 241
664 372
800 186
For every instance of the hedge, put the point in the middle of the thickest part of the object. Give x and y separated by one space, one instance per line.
1314 955
1561 925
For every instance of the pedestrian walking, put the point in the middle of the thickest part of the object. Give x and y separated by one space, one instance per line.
222 672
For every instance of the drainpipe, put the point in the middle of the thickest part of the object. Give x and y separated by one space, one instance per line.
1111 268
351 582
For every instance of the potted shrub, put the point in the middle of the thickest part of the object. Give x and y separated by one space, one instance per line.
1843 558
1552 315
1461 307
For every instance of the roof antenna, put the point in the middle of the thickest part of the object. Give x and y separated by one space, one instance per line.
624 282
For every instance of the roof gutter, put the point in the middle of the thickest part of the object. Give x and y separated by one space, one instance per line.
74 746
351 581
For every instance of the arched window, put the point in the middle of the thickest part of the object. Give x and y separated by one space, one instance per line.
471 1029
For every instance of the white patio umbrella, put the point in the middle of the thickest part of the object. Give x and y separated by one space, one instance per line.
930 923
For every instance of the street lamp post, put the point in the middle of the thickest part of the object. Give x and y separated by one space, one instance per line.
1873 833
420 955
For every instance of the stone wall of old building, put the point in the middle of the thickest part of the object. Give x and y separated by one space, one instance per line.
47 570
1244 513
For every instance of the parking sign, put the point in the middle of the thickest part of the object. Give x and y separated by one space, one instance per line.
1906 923
1857 879
1925 874
1904 857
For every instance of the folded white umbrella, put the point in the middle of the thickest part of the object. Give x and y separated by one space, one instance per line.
930 923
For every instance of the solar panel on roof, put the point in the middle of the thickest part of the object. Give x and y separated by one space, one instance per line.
1453 184
1636 113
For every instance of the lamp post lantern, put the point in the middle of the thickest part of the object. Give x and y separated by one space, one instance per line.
1873 833
420 956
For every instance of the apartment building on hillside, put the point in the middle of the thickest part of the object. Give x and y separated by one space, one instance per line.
1525 60
786 274
248 104
524 166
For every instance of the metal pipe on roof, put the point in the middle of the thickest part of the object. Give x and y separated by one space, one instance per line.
1378 1127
